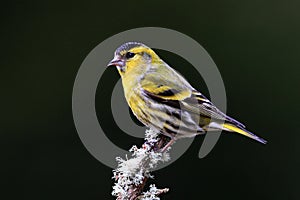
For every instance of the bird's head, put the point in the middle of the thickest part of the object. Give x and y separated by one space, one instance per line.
133 56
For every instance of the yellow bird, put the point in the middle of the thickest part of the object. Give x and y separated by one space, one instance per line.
163 100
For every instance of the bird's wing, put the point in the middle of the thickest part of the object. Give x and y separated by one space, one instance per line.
206 108
166 86
165 83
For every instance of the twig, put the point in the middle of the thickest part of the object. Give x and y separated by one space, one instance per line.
132 174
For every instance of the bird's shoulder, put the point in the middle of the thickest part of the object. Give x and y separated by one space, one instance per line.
164 82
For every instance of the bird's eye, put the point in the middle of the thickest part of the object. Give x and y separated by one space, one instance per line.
129 55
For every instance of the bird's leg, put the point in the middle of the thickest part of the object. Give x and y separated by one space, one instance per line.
168 145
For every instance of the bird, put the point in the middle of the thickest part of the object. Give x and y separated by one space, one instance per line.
163 100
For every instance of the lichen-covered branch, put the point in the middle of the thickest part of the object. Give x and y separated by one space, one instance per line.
132 174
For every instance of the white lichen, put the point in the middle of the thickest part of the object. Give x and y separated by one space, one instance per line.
132 172
151 194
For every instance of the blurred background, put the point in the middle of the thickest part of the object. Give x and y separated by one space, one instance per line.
255 45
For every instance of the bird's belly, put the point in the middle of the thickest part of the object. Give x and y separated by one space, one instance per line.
138 107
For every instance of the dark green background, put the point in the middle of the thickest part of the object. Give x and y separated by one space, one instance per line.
255 44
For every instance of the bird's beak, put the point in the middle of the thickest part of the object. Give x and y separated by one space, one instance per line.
116 62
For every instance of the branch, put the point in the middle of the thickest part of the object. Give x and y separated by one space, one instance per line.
132 174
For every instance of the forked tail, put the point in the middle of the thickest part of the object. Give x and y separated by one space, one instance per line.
233 128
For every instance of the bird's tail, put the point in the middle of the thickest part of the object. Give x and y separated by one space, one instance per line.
233 128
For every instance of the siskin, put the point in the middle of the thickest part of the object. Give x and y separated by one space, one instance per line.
163 100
